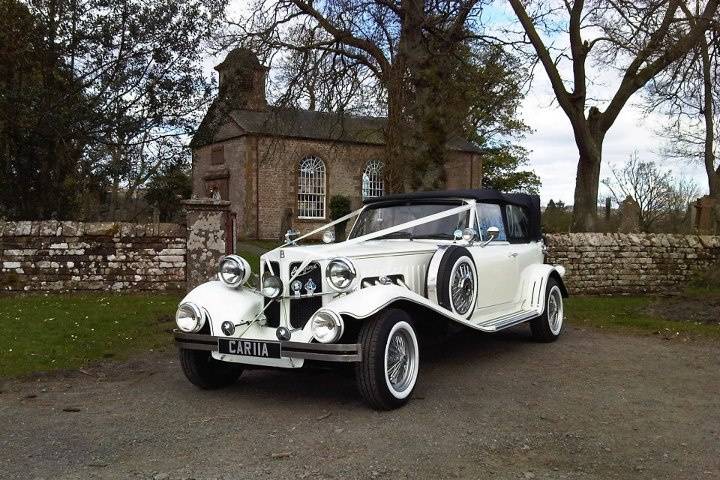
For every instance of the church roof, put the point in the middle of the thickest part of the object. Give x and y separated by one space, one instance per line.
310 124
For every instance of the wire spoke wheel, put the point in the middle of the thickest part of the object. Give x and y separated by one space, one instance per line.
555 310
548 326
401 360
462 286
389 370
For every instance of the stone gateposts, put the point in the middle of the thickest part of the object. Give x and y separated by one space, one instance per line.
209 238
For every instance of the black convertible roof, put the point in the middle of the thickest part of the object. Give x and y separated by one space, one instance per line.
485 195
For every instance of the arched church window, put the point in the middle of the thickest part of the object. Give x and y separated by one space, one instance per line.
311 188
373 181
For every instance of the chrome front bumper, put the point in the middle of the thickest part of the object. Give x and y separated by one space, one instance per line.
327 352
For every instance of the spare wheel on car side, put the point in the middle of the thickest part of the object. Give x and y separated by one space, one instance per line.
455 282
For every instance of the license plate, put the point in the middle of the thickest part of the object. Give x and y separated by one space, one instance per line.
249 348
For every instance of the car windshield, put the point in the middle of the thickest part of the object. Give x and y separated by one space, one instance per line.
379 217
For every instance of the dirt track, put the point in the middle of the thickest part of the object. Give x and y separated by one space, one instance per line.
592 405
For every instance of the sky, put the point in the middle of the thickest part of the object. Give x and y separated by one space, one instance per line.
553 154
552 151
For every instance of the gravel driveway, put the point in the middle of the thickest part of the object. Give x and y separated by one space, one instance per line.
592 405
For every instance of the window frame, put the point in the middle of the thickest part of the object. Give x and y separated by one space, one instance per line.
378 178
506 216
300 177
502 216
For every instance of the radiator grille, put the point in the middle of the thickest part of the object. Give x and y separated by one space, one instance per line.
302 308
272 313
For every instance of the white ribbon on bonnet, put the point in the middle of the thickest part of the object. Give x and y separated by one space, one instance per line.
370 236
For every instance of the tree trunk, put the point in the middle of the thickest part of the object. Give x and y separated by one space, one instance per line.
589 138
708 154
394 131
586 193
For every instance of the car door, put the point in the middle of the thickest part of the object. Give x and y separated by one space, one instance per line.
525 252
496 262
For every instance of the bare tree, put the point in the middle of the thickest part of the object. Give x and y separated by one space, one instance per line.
688 93
638 38
382 46
656 192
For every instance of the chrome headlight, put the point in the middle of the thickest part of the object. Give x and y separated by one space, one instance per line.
326 326
234 270
340 273
272 286
189 318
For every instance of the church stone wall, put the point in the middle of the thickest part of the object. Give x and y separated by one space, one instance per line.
52 255
344 163
279 163
600 263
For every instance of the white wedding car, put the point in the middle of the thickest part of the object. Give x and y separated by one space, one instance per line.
413 265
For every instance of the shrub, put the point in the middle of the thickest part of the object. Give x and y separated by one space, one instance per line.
339 206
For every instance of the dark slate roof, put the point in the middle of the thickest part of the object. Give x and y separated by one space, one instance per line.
309 124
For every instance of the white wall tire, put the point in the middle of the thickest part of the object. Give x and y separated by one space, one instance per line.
402 360
548 326
390 366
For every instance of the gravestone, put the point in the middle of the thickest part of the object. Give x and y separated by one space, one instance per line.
629 216
706 215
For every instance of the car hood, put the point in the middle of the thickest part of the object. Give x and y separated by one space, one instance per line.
366 249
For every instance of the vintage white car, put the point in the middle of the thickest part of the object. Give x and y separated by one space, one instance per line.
414 266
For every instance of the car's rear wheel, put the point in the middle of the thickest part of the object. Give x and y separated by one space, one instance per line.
387 375
205 372
548 326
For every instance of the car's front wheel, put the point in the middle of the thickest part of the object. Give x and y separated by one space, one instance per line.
387 375
205 372
548 326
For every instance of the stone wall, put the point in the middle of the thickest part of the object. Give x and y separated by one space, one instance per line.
618 263
52 255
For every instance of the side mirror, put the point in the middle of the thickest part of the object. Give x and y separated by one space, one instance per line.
492 233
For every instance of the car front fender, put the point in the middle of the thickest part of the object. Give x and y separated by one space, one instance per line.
367 301
224 303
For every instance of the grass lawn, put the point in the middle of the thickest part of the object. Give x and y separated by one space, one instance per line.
46 332
63 331
696 312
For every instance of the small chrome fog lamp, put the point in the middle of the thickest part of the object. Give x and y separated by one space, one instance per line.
326 326
189 318
234 270
227 327
272 286
283 334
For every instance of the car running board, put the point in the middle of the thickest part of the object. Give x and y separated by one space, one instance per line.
506 321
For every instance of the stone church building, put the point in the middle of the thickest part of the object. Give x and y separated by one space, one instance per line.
279 167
